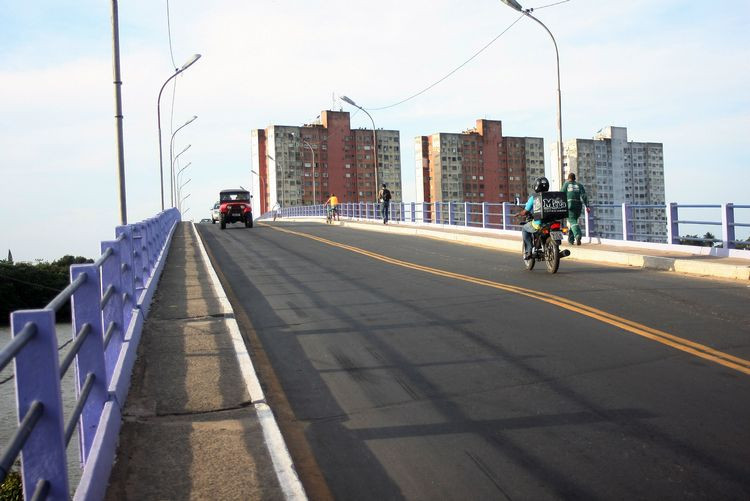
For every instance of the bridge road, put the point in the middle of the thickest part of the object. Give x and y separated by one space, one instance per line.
390 381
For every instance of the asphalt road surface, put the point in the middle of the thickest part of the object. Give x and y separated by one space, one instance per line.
410 368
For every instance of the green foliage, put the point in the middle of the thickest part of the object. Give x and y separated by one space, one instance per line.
26 286
691 240
11 488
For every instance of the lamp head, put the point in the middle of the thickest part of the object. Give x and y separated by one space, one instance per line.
347 100
190 62
513 4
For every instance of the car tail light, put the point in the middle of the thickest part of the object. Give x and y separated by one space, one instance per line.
554 226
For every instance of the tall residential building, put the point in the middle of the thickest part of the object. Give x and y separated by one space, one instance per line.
283 169
477 165
615 171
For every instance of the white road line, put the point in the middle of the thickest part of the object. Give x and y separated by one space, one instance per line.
282 460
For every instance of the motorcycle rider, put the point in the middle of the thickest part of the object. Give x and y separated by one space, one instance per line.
527 231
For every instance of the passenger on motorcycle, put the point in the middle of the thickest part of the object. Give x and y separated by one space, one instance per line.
527 231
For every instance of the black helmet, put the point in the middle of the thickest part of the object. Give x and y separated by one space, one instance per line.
541 185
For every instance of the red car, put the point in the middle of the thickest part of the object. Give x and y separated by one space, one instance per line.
235 208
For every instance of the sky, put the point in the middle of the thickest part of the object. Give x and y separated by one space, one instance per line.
675 72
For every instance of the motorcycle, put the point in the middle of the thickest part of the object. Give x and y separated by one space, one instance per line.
546 247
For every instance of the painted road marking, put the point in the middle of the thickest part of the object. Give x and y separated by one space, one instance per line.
685 345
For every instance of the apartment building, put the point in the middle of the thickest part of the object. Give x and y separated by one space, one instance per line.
615 171
477 165
285 172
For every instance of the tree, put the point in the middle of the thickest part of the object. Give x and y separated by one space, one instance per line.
30 286
10 257
706 240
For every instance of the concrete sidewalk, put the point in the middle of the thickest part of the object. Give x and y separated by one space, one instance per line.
629 254
195 426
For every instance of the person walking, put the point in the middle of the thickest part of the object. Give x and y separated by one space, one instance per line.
384 197
576 195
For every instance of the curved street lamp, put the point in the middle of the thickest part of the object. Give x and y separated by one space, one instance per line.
305 143
179 191
374 140
171 151
180 172
527 12
179 205
158 119
172 169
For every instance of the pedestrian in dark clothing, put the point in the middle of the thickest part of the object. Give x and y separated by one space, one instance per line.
577 198
384 197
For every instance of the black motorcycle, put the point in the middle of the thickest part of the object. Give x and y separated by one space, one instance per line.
546 248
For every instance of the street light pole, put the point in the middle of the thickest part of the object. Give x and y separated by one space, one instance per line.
315 198
171 146
374 140
261 192
179 192
158 120
177 177
118 113
172 170
527 12
277 182
179 204
180 171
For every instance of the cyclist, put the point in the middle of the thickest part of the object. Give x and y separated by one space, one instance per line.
333 206
527 231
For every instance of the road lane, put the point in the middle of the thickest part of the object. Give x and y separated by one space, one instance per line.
413 385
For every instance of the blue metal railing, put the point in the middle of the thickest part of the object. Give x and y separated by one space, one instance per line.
109 299
655 223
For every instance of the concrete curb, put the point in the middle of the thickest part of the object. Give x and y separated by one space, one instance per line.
512 243
282 460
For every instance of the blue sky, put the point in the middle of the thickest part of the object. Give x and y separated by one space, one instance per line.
674 72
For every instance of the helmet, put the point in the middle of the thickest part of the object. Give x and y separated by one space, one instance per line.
541 184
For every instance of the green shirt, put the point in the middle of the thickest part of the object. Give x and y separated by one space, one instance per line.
575 193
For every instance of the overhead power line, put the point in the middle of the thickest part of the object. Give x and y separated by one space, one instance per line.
451 72
465 62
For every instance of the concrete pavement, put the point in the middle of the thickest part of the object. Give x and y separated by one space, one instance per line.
196 425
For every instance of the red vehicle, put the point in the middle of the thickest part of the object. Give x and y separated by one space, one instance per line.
235 208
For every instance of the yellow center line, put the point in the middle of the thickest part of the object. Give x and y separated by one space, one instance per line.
685 345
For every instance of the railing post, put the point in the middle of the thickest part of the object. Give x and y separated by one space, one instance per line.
424 212
126 270
587 219
86 309
673 227
112 314
438 212
506 215
413 212
727 225
149 249
38 379
484 214
137 262
451 213
626 217
403 214
466 213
